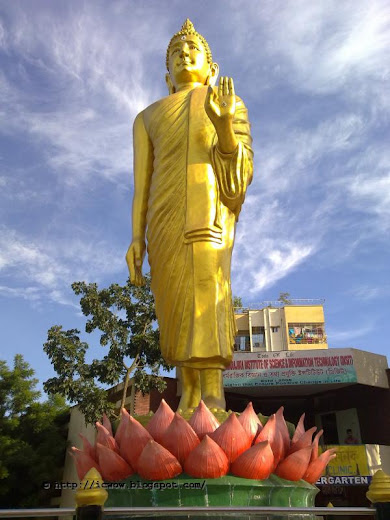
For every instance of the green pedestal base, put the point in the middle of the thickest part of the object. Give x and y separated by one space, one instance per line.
228 491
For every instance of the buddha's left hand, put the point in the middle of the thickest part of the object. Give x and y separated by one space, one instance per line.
221 107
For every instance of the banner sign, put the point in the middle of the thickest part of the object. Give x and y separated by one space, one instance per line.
350 460
344 481
350 467
290 367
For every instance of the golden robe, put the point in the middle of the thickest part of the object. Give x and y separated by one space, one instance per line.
195 198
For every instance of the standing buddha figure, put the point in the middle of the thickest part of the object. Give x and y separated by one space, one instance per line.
192 165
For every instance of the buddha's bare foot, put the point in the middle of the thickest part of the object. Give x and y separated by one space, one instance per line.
217 410
190 396
215 403
212 389
184 407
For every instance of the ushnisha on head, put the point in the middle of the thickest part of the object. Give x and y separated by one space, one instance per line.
189 60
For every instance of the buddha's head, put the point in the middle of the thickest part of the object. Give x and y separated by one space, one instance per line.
189 60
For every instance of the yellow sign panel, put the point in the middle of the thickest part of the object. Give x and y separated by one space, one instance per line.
350 461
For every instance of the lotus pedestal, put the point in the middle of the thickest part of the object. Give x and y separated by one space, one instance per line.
229 491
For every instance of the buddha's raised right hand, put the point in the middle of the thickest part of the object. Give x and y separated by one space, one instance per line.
134 258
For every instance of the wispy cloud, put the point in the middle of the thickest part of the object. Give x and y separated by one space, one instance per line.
341 336
326 46
45 270
290 208
317 96
366 292
319 185
373 194
277 263
27 293
86 65
366 187
268 246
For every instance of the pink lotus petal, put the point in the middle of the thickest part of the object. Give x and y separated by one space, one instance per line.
203 421
250 422
300 429
134 440
107 424
314 447
105 438
113 466
304 440
295 465
316 468
84 462
160 421
124 421
88 447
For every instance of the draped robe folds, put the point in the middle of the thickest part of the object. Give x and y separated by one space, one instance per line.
195 197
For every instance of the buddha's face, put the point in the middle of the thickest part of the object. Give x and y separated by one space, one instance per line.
188 61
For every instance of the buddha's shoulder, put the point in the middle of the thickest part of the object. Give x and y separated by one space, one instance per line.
163 102
157 107
157 104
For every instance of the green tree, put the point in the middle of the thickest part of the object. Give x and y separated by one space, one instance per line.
237 302
32 438
125 317
284 297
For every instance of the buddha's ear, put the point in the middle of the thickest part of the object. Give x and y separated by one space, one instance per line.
168 81
212 79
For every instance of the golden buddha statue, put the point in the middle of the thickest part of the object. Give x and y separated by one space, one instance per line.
192 166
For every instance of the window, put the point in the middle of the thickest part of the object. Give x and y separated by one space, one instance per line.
307 333
275 329
242 342
258 338
329 425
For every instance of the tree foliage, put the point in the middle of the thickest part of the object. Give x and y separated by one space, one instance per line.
126 319
285 298
32 437
237 302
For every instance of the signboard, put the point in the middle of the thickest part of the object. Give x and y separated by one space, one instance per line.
350 467
357 480
290 368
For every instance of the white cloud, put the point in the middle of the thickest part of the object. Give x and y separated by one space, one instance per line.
290 209
289 155
330 44
341 336
365 186
366 292
84 144
278 263
85 64
45 269
268 249
319 49
3 36
96 79
372 194
27 293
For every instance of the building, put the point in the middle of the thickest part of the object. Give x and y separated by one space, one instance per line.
345 392
278 327
282 359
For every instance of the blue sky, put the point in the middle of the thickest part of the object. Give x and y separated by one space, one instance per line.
316 221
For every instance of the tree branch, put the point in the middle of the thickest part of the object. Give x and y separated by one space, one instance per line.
126 381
